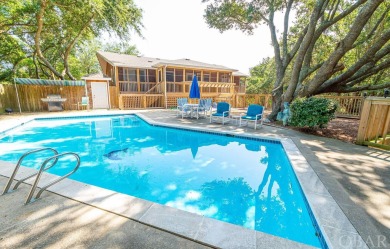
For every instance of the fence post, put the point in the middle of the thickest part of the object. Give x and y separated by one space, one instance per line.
120 102
365 114
144 104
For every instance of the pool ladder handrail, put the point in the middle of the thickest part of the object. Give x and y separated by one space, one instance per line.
34 186
39 173
11 179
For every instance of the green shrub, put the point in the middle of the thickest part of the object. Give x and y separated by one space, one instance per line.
312 112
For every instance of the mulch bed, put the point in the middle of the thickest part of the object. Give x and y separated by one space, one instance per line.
343 129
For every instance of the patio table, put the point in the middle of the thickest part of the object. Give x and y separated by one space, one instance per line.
191 107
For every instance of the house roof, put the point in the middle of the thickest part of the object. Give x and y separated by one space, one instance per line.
96 76
238 73
124 60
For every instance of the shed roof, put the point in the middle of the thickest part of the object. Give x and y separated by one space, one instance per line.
124 60
43 82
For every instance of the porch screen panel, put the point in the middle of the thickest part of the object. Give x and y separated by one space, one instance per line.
189 75
224 77
142 75
198 75
170 74
152 75
213 77
206 76
179 75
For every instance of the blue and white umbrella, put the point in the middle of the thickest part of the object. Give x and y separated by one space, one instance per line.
194 90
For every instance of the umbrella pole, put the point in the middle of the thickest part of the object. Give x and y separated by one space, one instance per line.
17 95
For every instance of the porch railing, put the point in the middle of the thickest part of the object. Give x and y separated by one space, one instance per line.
133 87
239 89
141 101
349 106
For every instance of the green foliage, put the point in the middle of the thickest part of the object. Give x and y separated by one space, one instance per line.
121 47
262 77
67 36
312 112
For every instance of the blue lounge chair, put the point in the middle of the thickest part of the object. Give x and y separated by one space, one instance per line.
253 114
222 113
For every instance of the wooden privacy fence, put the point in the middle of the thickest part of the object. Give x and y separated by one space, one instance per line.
244 100
30 96
374 128
349 106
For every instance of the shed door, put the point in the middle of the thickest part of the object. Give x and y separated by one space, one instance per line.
99 95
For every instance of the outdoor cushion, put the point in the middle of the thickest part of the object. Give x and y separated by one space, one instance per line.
251 117
253 110
222 107
221 114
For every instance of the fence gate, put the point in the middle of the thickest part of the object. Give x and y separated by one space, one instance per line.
374 128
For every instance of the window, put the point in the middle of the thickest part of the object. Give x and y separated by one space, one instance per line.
223 77
178 75
152 75
170 74
206 76
143 75
213 77
127 74
189 75
198 75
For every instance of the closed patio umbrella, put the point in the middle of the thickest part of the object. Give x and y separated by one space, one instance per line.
194 90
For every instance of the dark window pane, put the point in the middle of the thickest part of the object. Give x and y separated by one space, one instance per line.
170 73
132 75
152 75
179 75
213 77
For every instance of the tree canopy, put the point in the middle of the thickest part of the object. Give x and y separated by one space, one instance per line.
50 38
331 46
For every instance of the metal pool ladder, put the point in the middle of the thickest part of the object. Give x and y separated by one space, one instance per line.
39 173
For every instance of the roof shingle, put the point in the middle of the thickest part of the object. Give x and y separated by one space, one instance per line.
125 60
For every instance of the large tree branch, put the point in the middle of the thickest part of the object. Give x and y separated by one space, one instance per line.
366 87
367 72
359 77
70 46
333 10
325 25
39 18
345 45
374 29
285 30
294 80
371 56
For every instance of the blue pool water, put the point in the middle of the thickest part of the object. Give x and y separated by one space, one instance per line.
241 181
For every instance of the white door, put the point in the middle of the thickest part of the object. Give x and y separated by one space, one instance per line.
99 95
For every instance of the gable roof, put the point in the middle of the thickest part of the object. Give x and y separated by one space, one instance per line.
96 76
124 60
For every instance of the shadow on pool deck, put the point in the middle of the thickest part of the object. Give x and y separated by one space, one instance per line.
357 177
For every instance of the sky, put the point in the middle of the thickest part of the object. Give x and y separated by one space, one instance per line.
176 29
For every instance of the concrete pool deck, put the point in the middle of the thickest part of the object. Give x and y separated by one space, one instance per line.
357 178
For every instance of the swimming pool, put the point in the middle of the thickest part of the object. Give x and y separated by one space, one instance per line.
245 182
